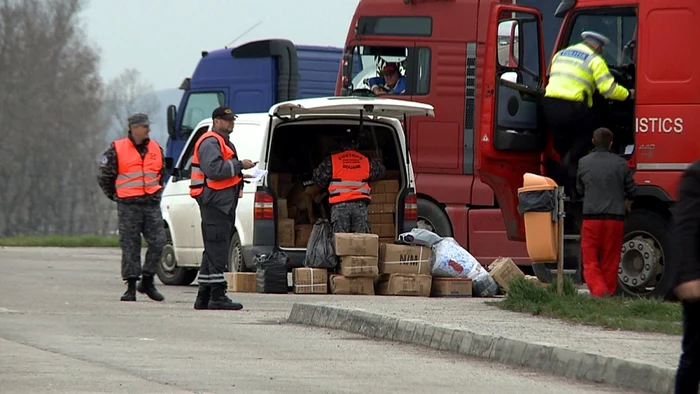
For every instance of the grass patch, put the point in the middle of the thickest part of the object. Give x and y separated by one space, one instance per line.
66 241
623 313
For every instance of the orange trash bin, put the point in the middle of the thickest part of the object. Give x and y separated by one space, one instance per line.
537 205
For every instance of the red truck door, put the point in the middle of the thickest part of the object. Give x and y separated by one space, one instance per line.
511 136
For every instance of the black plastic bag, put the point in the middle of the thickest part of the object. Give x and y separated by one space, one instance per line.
537 201
271 273
320 252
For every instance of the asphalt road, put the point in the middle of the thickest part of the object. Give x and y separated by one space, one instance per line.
63 330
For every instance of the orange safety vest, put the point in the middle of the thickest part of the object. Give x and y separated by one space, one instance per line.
350 176
136 175
198 179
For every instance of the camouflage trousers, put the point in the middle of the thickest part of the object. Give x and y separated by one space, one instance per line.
134 220
350 217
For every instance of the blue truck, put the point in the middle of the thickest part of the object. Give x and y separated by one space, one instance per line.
250 78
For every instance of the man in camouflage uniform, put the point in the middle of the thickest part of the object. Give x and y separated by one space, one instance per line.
351 214
135 183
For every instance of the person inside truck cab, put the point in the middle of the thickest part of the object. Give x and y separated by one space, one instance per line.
390 82
346 175
576 73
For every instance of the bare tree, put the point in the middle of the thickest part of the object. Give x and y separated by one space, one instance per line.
50 102
125 95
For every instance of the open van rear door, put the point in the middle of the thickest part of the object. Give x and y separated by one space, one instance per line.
369 106
511 136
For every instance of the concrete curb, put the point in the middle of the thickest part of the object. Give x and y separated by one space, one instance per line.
540 356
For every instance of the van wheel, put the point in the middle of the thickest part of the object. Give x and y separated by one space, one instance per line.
433 218
235 262
167 270
645 269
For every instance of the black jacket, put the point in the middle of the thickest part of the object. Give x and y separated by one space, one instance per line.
686 216
605 182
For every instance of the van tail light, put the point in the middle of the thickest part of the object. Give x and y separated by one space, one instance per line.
410 209
264 206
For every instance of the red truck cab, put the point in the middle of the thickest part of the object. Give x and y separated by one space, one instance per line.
651 50
439 46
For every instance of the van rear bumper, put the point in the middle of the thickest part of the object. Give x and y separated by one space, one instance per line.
296 257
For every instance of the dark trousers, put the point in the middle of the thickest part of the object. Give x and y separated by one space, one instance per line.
688 374
572 124
217 230
350 217
134 220
601 241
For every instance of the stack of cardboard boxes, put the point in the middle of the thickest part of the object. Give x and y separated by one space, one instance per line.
405 270
382 209
293 208
357 255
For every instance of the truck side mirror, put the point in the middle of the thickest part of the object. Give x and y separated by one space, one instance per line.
508 46
171 116
347 67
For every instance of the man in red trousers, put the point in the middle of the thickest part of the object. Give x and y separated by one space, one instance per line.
607 187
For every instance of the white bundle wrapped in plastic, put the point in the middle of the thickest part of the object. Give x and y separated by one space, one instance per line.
449 260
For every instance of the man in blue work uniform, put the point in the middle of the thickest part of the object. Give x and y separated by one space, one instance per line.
391 81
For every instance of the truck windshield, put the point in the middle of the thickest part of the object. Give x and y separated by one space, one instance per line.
199 106
396 70
618 26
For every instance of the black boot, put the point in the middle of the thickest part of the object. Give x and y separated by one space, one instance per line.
219 300
202 301
130 293
147 287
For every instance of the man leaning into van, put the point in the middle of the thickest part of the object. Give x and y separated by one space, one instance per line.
346 175
216 184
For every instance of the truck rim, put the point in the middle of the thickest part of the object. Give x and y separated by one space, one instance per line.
641 263
425 224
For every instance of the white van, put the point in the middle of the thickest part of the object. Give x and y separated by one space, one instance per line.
293 138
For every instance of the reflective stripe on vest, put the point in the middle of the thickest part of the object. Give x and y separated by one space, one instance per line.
349 180
197 177
571 77
137 176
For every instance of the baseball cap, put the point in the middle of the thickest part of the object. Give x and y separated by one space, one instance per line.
138 119
390 68
223 113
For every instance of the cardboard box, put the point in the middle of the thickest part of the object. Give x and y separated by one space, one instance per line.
354 266
534 280
392 174
241 282
382 208
386 240
302 232
282 211
285 233
384 230
404 259
310 280
451 287
340 284
386 186
279 182
381 218
405 285
503 270
384 198
350 244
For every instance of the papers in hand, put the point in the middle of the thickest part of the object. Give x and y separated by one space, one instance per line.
256 176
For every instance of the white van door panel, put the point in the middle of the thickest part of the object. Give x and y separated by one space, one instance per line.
179 204
352 106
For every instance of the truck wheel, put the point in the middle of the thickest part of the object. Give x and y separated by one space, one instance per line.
168 272
645 269
236 263
433 218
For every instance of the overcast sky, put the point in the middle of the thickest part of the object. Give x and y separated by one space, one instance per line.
163 39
